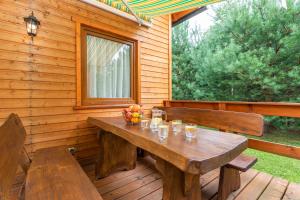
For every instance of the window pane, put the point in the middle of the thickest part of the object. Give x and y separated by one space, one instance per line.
108 68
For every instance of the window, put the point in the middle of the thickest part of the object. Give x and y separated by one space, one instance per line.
108 69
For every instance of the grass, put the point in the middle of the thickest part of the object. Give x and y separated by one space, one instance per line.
279 166
276 165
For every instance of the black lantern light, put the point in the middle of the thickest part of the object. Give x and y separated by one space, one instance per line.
32 24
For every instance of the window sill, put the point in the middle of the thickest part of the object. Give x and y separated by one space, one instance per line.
101 106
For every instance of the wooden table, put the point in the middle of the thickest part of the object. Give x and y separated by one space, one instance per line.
179 161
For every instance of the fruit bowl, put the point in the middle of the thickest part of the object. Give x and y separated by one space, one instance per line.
133 114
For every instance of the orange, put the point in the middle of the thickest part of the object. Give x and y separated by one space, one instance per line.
135 120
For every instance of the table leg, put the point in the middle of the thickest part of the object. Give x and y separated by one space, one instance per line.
115 154
178 185
229 181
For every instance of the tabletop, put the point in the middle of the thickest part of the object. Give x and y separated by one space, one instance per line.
209 150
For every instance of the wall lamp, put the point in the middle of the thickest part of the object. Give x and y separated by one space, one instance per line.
32 24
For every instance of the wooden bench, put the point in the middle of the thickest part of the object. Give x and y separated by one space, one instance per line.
227 121
53 174
12 138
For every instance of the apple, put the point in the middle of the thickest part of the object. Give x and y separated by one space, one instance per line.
128 114
136 108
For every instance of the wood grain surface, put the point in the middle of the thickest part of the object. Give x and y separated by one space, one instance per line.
211 149
115 154
38 78
55 174
12 137
247 123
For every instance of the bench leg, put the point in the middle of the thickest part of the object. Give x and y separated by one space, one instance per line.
178 185
115 154
230 181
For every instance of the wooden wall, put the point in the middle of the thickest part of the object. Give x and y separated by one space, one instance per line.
38 78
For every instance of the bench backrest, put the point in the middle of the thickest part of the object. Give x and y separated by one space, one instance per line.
12 138
246 123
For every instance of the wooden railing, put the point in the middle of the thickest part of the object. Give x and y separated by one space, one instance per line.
263 108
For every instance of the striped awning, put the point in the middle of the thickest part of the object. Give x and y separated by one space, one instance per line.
146 9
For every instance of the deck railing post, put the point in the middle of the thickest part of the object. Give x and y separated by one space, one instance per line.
222 106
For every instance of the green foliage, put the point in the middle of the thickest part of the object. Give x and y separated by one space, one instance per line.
183 77
251 53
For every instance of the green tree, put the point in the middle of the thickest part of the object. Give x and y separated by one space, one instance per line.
182 65
251 53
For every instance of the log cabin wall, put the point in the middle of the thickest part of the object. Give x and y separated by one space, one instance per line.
38 78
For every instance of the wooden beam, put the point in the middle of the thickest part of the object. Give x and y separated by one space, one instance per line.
275 148
170 57
283 109
179 15
182 16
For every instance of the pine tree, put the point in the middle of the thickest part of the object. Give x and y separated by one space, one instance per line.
251 53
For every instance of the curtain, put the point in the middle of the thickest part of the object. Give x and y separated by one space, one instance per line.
108 68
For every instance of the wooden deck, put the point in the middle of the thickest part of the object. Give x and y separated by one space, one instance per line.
144 183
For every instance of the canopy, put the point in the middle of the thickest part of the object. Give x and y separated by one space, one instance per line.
144 10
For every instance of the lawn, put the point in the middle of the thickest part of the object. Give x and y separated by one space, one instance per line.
279 166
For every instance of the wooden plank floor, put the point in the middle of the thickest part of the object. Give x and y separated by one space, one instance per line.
144 183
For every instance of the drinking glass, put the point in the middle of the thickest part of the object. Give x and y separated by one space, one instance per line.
163 132
145 123
155 122
176 126
190 131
